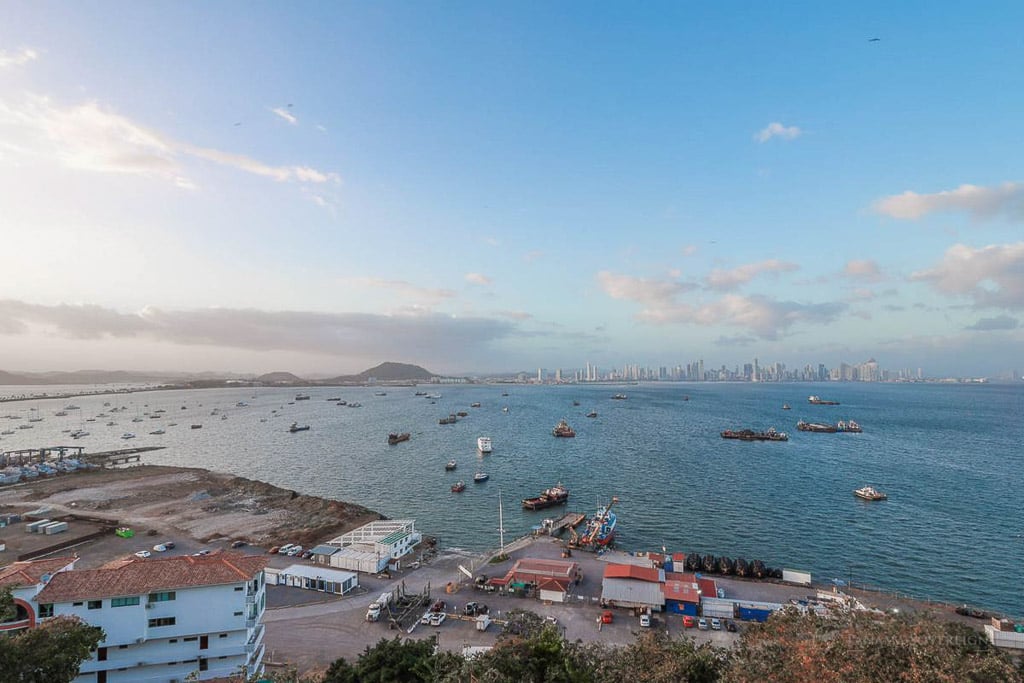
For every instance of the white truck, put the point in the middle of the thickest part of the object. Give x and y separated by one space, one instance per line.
376 607
482 622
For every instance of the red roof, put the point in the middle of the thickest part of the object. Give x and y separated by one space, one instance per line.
680 590
553 585
30 572
153 575
678 557
708 587
630 571
657 558
681 576
555 568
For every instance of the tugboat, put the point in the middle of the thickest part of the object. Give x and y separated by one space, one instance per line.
458 487
750 435
296 427
818 401
563 429
849 426
397 438
816 427
556 495
450 465
870 493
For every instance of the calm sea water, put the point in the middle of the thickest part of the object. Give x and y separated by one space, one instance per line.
949 456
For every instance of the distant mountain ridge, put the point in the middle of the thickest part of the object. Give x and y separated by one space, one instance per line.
388 372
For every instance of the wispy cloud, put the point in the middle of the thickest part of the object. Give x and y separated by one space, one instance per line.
410 291
17 57
286 115
427 335
865 270
991 276
777 130
726 280
90 137
980 202
478 279
642 290
1000 322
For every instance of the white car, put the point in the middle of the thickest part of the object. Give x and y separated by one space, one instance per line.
160 548
437 618
143 554
716 625
294 550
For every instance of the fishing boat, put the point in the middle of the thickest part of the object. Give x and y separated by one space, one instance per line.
458 487
870 493
601 527
849 426
556 495
769 434
157 432
127 435
619 397
450 465
818 401
563 429
816 427
592 413
296 427
481 477
397 438
785 406
483 444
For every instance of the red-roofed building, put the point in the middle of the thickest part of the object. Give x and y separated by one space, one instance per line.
708 587
552 578
682 593
25 579
164 618
629 585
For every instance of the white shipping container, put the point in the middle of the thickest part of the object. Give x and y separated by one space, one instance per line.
55 528
719 608
33 527
796 576
1007 639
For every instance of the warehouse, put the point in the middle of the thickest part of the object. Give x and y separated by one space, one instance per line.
373 547
626 585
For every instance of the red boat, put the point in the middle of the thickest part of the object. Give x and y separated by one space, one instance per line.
563 429
556 495
458 487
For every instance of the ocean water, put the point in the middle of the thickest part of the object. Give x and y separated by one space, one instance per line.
948 456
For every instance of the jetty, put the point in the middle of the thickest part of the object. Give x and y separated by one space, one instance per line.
566 521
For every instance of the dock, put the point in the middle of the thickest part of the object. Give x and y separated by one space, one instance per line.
567 521
121 456
28 456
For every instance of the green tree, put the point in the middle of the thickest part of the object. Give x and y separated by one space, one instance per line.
657 658
389 661
49 653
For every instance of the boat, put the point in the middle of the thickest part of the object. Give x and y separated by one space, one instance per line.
620 397
769 434
197 426
481 477
296 427
592 413
870 493
157 432
849 426
450 420
127 435
462 413
504 393
818 401
785 406
61 413
556 495
334 398
397 438
458 487
381 393
483 444
575 403
474 405
354 404
301 397
563 429
450 465
504 409
601 527
816 427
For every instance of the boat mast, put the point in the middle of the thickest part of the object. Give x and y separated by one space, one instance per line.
501 524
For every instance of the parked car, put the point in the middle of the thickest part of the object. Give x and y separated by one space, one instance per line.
470 609
283 550
168 544
273 551
437 618
237 544
688 621
202 553
606 617
716 625
551 620
730 626
645 620
160 548
702 624
438 606
307 554
143 554
294 550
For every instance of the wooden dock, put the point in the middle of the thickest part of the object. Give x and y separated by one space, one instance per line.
122 456
566 521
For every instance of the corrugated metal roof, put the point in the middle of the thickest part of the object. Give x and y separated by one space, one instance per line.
318 572
630 571
630 592
325 549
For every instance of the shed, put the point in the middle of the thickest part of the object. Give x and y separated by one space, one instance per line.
682 593
322 553
320 579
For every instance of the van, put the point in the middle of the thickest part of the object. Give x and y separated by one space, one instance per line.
645 619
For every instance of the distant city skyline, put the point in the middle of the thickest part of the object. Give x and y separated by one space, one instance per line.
252 187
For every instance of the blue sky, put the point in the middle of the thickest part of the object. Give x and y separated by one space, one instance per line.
483 187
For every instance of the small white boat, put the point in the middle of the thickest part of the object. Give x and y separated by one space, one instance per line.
483 444
480 477
870 493
157 432
127 435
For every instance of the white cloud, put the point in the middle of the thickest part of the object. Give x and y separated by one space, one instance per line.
478 279
761 315
863 269
642 290
777 130
285 114
90 137
18 57
979 202
725 280
991 276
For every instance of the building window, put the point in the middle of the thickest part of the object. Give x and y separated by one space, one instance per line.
77 604
191 639
161 597
161 621
95 604
203 665
223 635
45 610
124 602
239 588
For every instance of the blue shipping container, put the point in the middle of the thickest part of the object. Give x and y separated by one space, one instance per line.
677 607
754 614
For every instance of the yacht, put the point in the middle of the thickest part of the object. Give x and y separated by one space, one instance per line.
483 444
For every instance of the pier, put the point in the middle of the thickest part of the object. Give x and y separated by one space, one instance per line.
569 520
121 456
28 456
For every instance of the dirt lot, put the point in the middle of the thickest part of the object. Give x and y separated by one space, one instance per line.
191 503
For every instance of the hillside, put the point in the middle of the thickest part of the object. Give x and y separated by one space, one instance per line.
386 372
280 378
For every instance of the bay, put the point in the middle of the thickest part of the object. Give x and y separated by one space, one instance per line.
948 456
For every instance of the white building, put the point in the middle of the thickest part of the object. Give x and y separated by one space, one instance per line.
372 547
163 618
313 578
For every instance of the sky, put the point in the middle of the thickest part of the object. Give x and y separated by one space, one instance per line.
493 187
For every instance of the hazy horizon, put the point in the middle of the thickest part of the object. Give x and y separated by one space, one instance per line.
464 187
